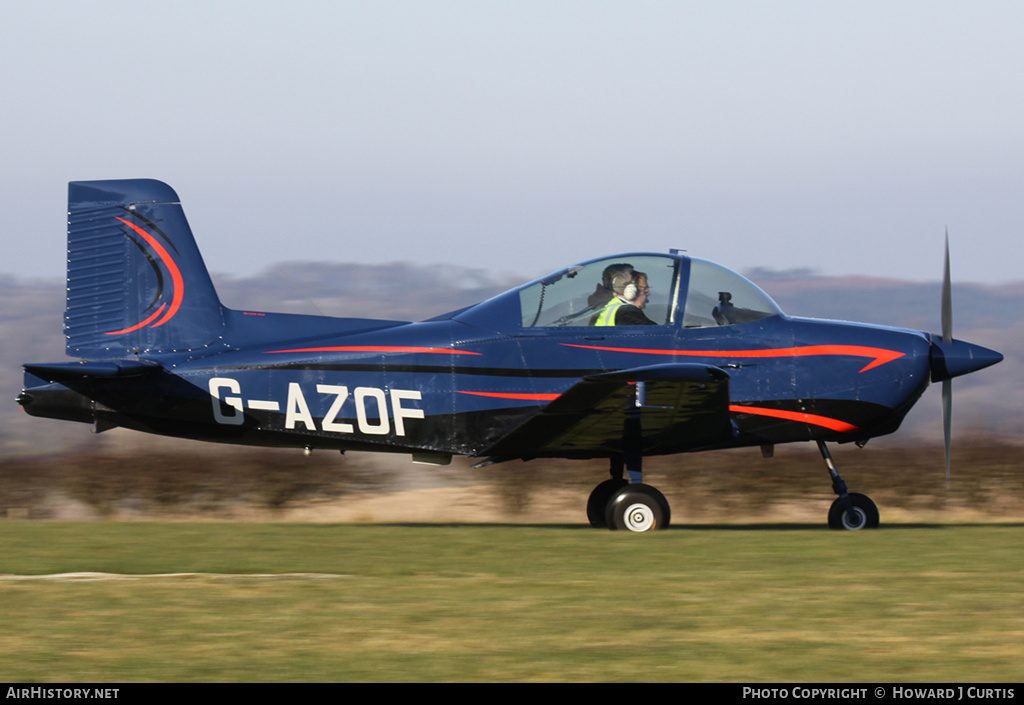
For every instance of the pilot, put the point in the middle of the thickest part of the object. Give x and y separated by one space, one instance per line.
603 293
627 293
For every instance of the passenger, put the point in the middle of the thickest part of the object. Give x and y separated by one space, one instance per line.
627 295
604 291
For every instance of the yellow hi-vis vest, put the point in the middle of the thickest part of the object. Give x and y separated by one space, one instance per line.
607 315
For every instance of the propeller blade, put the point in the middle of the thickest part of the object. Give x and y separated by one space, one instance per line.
947 300
947 337
947 419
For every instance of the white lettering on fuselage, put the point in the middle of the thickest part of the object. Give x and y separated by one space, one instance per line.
221 383
340 395
372 407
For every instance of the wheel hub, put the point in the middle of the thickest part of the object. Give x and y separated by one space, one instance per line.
639 517
855 521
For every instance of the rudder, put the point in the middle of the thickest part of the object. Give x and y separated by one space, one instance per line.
136 281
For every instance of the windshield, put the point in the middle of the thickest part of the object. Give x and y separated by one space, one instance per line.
717 296
576 296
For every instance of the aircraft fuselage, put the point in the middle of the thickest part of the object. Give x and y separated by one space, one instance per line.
457 389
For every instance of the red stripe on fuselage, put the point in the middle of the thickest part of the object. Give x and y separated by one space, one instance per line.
515 395
377 348
813 419
879 356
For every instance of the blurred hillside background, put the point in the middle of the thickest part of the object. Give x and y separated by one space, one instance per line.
988 406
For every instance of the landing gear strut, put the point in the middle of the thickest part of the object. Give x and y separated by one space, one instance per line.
850 510
629 505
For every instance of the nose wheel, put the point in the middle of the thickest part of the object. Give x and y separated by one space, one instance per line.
850 511
864 514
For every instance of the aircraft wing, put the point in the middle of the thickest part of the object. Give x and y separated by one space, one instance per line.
681 407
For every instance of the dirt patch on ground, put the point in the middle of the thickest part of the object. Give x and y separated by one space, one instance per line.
168 481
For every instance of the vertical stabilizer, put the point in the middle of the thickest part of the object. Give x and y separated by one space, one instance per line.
136 281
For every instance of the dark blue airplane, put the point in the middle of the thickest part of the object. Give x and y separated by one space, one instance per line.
634 355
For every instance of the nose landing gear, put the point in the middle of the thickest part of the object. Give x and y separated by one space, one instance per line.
850 511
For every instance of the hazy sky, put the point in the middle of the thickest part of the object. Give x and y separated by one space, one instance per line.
524 136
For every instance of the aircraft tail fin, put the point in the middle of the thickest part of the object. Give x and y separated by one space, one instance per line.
136 282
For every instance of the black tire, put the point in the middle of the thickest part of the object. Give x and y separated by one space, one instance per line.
866 514
597 504
638 508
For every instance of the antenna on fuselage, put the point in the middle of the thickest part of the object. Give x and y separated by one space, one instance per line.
299 289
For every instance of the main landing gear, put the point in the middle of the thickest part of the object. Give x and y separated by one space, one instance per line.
630 505
850 511
622 505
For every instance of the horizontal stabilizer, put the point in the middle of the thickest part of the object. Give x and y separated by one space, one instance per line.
57 371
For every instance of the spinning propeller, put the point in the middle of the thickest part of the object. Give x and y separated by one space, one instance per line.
951 358
947 339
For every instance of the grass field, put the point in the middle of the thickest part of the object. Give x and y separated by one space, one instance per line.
276 602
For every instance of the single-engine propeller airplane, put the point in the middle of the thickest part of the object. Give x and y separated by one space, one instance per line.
623 357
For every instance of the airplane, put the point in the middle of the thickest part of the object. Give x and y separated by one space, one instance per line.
701 359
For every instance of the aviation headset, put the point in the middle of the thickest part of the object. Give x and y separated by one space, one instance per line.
625 281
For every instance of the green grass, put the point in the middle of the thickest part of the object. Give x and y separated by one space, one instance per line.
510 603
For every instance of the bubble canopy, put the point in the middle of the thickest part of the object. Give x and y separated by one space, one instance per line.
679 291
